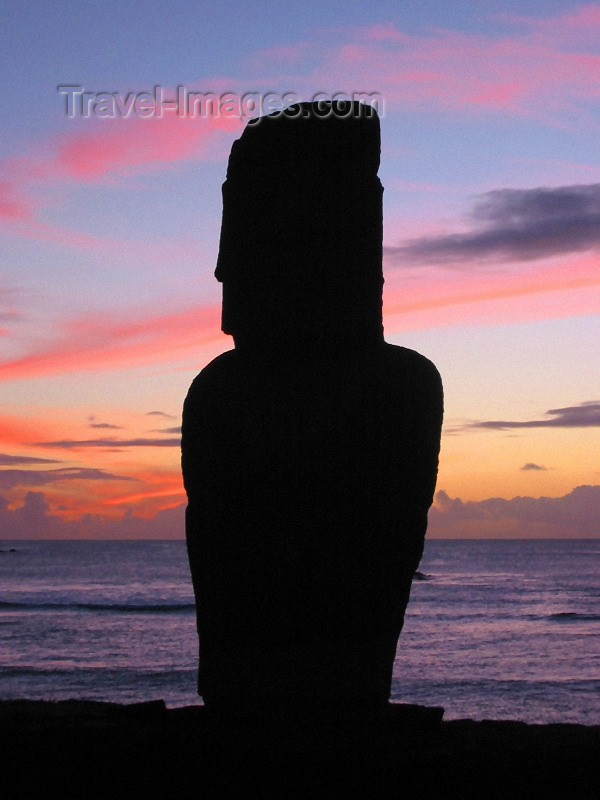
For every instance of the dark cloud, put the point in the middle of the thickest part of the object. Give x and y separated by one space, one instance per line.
515 225
33 519
104 425
530 466
177 429
585 415
575 515
71 443
7 460
159 414
9 478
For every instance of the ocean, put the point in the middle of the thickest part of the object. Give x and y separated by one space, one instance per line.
495 630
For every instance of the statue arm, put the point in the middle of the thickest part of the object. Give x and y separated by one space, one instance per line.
196 447
429 400
428 409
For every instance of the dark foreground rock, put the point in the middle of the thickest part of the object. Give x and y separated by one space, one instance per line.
85 749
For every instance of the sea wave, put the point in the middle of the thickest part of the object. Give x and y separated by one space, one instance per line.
120 608
106 671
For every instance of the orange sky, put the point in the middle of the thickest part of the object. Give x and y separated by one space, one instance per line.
109 232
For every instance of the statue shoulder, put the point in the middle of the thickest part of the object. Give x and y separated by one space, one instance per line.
215 376
408 362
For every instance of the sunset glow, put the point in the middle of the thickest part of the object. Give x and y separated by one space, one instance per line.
109 229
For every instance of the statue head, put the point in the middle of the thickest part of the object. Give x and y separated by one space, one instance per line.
301 236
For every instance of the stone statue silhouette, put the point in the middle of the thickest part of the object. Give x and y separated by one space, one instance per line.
310 450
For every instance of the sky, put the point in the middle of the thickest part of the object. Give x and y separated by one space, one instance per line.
110 212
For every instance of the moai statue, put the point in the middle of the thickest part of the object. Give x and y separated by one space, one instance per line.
310 450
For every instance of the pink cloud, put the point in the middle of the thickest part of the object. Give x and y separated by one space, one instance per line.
123 146
524 72
584 19
413 299
13 206
109 150
503 94
424 298
546 69
100 342
386 32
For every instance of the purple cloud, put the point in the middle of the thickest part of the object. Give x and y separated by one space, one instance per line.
68 444
8 460
33 518
9 478
515 225
575 515
176 429
585 415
